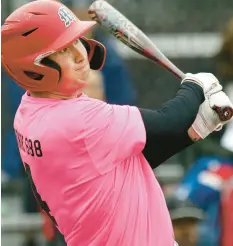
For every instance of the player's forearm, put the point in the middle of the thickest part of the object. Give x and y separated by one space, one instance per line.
175 116
167 127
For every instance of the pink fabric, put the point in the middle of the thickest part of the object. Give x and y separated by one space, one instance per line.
93 175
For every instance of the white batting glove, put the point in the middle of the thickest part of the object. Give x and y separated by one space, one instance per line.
207 119
207 81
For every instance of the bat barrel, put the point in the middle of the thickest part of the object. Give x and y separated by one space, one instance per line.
125 31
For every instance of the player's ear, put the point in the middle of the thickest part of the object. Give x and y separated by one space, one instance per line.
96 53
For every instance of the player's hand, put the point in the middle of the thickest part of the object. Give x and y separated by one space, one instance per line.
207 81
207 120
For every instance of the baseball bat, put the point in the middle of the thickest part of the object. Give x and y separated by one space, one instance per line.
125 31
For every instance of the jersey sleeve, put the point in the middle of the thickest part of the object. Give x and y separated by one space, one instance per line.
113 133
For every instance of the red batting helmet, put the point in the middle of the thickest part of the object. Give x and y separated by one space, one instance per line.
36 30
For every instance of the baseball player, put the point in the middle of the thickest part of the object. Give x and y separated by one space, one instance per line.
185 217
90 163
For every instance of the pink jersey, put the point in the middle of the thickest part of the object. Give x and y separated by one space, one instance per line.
85 159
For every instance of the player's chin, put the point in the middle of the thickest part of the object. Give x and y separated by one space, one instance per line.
84 74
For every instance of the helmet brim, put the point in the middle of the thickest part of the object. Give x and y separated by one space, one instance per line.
78 29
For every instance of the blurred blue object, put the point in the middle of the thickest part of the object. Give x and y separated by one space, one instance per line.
202 185
209 230
14 93
11 162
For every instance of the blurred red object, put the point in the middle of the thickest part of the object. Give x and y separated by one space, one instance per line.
227 214
48 228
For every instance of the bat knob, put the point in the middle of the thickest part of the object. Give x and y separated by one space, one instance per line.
224 113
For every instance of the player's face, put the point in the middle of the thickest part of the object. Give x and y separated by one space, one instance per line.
185 231
75 67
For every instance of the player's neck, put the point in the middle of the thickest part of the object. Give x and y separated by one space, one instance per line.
53 95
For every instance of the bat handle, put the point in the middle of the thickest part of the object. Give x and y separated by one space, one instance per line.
178 73
224 113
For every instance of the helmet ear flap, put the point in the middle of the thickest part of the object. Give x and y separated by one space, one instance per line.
96 53
86 45
50 63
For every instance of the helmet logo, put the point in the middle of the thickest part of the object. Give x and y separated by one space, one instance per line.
66 15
